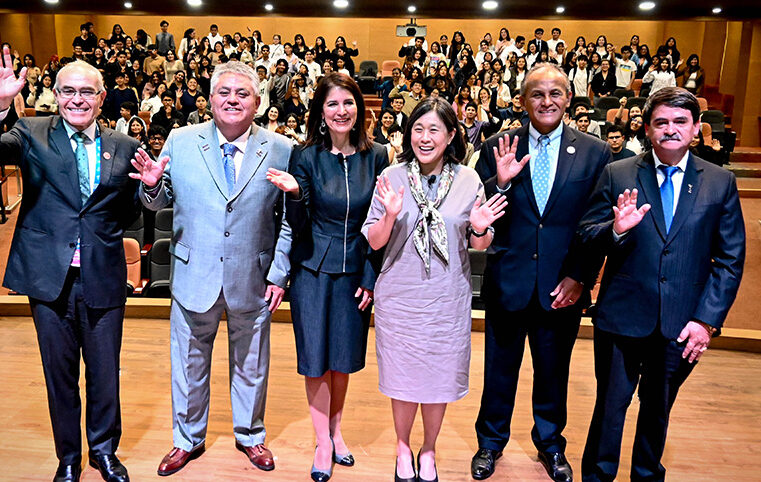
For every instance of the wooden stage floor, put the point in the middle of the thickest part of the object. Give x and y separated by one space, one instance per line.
715 429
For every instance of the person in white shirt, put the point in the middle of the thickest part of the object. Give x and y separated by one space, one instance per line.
517 48
313 67
554 41
276 48
265 61
625 68
580 77
264 90
214 36
484 49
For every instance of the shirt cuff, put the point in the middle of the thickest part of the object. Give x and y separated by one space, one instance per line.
4 113
152 192
618 237
503 191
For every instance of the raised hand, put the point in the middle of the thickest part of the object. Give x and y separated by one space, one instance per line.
10 86
391 200
483 215
148 170
283 180
626 214
507 165
395 140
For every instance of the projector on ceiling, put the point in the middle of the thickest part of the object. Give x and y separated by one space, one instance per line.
412 29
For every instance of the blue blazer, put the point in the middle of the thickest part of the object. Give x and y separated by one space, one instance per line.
653 278
532 252
52 216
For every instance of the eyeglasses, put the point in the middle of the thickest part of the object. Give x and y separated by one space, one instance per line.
156 139
87 94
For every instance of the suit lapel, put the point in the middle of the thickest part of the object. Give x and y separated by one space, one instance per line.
649 186
208 145
69 178
256 151
566 158
687 195
524 177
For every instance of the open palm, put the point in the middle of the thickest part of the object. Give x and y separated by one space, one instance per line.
626 214
483 215
391 200
10 86
507 165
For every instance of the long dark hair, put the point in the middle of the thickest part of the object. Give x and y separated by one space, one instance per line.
358 135
455 151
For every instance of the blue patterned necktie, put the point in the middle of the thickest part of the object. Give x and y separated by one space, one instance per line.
83 166
667 194
229 150
540 178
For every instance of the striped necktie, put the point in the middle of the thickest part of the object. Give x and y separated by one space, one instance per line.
83 166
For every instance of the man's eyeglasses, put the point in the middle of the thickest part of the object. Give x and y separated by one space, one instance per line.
87 94
156 139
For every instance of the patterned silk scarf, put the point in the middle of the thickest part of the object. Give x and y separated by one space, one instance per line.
431 226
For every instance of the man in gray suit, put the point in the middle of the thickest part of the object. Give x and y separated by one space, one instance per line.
230 255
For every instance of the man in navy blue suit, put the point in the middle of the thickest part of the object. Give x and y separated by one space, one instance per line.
674 263
534 285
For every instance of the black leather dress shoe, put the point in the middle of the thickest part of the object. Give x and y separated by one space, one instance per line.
67 473
109 467
557 466
482 465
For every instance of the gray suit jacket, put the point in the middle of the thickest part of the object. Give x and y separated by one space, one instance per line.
232 241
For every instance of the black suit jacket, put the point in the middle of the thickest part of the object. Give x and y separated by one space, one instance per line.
532 252
543 47
653 278
52 216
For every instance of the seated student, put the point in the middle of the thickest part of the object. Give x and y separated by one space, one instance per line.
514 111
412 97
397 106
474 129
616 142
168 117
582 123
594 126
202 114
127 111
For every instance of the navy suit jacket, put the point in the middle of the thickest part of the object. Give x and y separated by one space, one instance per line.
52 216
532 252
653 278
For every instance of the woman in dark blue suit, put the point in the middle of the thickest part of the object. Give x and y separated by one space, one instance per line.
330 187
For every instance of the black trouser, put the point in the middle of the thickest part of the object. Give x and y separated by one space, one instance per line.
551 336
65 326
621 363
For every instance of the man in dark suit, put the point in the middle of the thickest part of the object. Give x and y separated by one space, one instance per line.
675 259
541 45
533 282
67 256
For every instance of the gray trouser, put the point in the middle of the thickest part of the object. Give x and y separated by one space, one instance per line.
192 340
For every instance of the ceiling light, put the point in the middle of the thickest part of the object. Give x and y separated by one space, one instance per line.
194 3
560 9
716 10
51 2
647 5
490 5
411 9
269 7
340 3
127 4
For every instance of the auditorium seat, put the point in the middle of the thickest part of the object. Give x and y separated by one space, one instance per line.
163 226
29 112
703 102
611 115
388 65
637 86
477 268
159 272
580 99
715 118
705 129
618 93
137 231
146 116
368 69
638 101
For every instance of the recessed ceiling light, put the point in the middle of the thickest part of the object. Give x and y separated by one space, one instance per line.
51 2
194 3
647 5
340 3
490 5
127 4
560 9
716 10
269 7
411 9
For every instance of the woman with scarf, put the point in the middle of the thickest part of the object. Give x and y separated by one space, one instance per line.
426 211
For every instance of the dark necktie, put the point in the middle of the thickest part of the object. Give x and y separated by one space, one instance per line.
83 166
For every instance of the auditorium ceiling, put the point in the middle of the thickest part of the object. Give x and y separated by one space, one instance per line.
523 9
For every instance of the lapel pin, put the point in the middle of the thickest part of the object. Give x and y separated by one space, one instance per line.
259 153
106 155
689 188
570 150
205 147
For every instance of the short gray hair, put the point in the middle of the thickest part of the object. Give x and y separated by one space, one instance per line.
234 68
545 66
80 65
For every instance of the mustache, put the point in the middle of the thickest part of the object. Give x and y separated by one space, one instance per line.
670 137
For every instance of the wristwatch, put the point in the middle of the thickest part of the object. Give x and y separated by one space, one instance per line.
475 233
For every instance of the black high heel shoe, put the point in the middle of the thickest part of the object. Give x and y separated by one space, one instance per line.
410 479
420 479
347 459
320 475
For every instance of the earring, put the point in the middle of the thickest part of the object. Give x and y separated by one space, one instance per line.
323 127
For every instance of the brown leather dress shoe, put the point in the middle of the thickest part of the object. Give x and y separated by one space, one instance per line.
177 459
259 455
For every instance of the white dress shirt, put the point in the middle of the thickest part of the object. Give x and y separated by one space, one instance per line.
89 146
676 178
